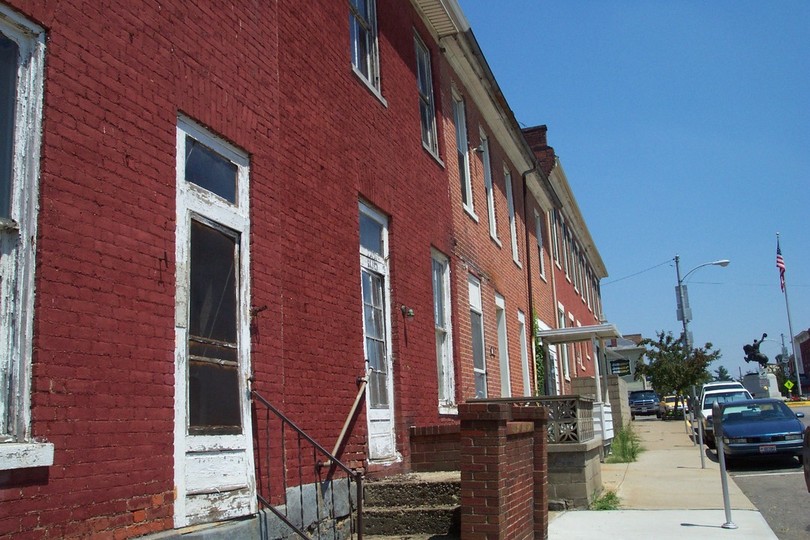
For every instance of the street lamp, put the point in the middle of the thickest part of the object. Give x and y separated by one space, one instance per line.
684 312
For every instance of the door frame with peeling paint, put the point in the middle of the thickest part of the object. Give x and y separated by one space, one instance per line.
213 451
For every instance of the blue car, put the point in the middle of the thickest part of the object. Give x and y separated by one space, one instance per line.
761 427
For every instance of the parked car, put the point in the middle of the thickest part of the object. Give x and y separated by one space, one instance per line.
806 458
720 385
761 427
642 403
707 402
672 406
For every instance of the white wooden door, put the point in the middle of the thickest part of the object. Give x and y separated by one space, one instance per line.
377 334
214 473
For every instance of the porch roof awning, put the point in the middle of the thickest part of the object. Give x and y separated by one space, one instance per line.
579 333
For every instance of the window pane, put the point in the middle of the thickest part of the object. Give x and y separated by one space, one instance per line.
213 305
370 234
8 97
477 340
480 385
438 294
213 384
209 170
213 396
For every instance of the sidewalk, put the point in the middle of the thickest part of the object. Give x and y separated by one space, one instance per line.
664 495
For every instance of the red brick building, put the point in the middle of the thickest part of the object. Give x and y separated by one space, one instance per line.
199 200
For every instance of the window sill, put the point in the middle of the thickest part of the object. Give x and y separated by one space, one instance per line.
471 213
517 263
448 410
371 88
434 154
495 240
25 455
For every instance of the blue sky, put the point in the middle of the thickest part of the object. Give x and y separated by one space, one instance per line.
684 129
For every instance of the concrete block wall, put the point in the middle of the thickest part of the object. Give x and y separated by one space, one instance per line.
575 472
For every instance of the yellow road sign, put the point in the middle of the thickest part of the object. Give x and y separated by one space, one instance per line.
789 385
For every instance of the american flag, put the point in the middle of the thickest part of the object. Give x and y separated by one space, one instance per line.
780 264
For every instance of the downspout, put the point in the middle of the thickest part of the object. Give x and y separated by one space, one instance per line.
554 290
529 274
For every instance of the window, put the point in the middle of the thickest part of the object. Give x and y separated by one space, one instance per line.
441 318
503 345
477 333
538 233
363 35
427 109
555 237
488 187
510 203
566 252
524 354
563 346
460 119
376 307
22 54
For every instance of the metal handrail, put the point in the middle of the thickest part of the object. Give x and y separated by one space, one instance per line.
327 461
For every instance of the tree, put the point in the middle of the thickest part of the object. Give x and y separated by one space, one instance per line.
721 374
672 369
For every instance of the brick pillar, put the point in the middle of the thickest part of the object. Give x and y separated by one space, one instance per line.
487 477
538 415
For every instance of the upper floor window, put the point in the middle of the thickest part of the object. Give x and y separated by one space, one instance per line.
555 236
489 188
510 205
538 232
22 53
427 107
460 120
363 34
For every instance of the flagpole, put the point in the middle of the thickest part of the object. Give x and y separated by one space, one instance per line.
790 329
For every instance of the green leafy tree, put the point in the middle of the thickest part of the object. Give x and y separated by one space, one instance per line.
721 374
671 368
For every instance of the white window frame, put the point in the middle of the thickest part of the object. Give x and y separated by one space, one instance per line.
486 161
426 97
510 204
371 59
18 234
444 334
524 354
503 346
463 155
476 306
555 237
564 353
538 233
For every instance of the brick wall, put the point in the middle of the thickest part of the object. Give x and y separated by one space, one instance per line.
503 471
117 75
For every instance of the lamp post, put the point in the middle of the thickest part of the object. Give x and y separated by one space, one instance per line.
684 312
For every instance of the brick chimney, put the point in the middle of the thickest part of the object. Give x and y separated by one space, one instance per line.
536 137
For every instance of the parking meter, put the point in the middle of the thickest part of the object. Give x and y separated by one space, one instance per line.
717 417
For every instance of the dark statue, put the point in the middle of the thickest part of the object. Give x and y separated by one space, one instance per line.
752 353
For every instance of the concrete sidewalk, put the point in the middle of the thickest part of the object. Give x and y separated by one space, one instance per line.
664 494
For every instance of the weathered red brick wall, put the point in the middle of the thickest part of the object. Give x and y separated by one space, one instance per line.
435 448
477 254
274 79
503 471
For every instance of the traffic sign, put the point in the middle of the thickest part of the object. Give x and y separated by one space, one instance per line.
789 385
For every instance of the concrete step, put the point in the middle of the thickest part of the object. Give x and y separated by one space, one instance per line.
414 490
413 506
408 521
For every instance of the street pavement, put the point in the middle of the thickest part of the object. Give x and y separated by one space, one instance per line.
666 494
